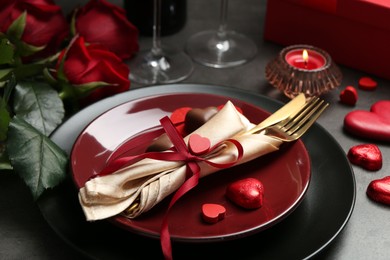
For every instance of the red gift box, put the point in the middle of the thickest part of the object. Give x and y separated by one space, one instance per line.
356 33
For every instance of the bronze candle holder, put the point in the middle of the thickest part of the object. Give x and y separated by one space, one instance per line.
293 75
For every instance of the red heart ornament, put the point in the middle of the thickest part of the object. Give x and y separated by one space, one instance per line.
198 145
247 193
179 115
349 96
212 213
367 156
379 190
367 83
178 119
373 124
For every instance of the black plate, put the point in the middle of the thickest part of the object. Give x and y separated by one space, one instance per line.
317 221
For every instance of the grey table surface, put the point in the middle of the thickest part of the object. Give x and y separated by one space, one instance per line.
24 233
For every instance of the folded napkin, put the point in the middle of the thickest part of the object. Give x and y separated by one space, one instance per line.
137 188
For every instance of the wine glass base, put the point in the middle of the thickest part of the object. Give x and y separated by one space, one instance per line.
210 49
166 67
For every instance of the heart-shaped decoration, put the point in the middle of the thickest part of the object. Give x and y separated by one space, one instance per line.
247 193
379 190
373 124
178 119
212 213
367 83
368 156
178 115
349 96
198 145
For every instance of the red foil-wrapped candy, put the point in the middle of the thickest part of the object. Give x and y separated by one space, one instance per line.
368 156
379 190
349 96
247 193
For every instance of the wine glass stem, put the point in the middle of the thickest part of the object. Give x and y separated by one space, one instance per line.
156 48
223 19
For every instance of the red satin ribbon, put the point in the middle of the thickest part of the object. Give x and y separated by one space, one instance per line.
179 152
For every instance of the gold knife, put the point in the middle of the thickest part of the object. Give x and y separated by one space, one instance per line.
284 112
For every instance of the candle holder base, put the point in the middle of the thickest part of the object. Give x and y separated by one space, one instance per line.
292 80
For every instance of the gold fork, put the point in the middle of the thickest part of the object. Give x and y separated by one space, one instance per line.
294 127
288 110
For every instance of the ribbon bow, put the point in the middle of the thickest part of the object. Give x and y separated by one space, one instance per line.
179 152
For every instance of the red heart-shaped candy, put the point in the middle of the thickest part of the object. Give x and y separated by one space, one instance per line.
198 145
373 124
212 213
367 83
349 96
247 193
367 156
379 190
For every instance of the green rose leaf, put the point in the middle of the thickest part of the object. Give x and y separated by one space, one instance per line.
34 157
48 76
16 29
39 105
28 70
4 120
15 32
85 89
6 52
4 73
25 49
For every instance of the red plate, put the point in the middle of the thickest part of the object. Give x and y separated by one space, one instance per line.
285 173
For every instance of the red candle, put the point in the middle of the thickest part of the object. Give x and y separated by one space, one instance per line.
305 59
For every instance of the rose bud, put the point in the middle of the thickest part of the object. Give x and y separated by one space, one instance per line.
36 27
102 22
93 72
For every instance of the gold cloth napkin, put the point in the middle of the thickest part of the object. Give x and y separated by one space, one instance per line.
149 181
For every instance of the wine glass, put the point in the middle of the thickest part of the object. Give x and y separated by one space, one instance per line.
221 48
159 65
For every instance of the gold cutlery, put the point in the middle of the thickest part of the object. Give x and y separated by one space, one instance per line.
295 126
286 111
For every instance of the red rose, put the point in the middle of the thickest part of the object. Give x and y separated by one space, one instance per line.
45 22
89 65
105 23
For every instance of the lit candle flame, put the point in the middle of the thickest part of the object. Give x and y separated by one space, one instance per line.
305 56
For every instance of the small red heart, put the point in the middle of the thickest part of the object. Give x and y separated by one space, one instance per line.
367 83
379 190
349 96
178 119
178 115
212 213
367 156
247 193
373 124
198 145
